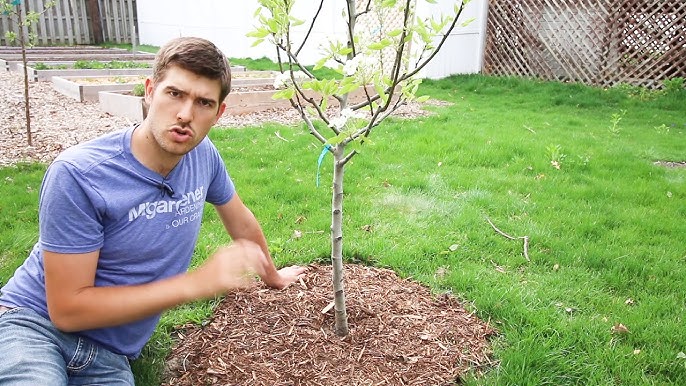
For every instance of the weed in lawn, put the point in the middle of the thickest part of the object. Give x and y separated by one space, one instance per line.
614 128
674 85
555 155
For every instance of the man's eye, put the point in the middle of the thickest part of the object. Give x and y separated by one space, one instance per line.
205 103
174 93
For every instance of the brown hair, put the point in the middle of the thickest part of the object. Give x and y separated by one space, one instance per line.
197 55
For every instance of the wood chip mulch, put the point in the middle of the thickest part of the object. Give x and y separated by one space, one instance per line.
400 334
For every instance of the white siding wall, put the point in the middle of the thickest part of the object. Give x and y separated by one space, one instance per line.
225 22
463 51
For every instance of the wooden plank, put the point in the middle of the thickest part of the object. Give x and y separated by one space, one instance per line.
132 23
51 17
123 21
109 36
43 36
75 20
60 22
116 21
5 25
85 31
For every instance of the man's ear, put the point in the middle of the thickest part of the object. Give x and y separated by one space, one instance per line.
220 111
149 88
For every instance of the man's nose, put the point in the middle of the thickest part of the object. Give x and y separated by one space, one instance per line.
185 113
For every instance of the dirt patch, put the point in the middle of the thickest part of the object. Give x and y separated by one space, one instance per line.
400 334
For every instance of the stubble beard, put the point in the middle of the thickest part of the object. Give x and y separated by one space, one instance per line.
162 136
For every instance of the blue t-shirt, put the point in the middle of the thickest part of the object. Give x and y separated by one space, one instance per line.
97 196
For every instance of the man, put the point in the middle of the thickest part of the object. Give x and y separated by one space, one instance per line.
119 218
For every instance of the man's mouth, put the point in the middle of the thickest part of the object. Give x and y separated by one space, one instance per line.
181 134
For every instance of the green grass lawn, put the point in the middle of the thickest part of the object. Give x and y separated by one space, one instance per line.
571 167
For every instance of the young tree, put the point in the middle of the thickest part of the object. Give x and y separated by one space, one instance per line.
26 19
382 65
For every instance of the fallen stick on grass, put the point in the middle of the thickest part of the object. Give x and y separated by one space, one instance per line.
525 238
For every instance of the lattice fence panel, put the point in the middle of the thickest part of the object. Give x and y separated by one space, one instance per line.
375 25
598 42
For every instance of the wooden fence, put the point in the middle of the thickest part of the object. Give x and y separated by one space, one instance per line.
73 22
597 42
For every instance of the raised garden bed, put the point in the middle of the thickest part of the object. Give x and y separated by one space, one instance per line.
241 100
86 88
254 99
252 78
47 74
122 104
10 61
37 72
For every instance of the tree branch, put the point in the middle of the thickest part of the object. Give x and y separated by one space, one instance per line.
352 17
307 35
440 44
347 158
525 238
367 9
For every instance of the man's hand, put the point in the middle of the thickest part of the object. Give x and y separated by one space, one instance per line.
287 276
230 267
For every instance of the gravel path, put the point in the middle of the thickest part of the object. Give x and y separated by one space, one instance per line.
58 122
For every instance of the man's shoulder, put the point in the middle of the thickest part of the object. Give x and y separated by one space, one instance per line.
87 154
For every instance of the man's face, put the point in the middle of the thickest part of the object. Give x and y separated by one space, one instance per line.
183 108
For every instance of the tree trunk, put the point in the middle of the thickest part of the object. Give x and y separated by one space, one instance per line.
341 315
95 25
27 108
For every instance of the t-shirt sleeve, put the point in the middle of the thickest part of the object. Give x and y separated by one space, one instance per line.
221 188
69 220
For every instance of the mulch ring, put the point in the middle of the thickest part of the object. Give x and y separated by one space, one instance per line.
400 334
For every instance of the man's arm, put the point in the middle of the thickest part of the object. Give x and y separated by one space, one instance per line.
74 303
240 223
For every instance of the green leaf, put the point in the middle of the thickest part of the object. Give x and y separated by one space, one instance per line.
435 25
296 22
330 87
284 94
309 85
380 45
273 26
376 46
423 98
380 90
389 3
257 42
395 32
320 63
259 33
337 139
345 88
11 36
468 21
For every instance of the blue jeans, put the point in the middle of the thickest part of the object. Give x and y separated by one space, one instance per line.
34 352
